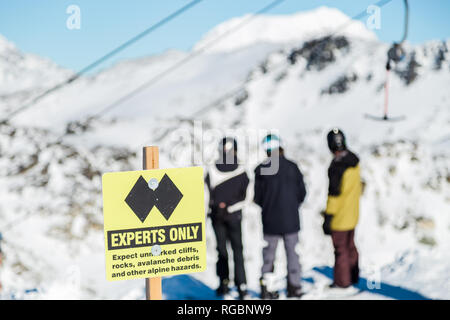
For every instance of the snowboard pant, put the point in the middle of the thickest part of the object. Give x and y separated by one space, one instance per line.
229 230
346 269
293 261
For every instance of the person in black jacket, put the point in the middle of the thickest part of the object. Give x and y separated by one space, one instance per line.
227 183
279 195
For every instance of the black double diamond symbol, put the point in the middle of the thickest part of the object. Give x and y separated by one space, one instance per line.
165 197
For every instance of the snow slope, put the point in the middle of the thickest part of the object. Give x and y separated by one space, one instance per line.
23 76
50 188
284 29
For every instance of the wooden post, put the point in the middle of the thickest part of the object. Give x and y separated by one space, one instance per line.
153 289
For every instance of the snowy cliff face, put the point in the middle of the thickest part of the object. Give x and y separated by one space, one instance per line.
23 76
50 189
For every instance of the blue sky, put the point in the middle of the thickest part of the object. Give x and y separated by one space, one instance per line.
39 26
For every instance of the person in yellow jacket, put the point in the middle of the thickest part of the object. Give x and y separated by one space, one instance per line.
342 212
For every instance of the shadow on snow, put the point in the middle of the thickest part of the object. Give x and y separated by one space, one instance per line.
185 287
383 289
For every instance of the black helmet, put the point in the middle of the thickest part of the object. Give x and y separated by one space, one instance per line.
228 151
227 144
336 140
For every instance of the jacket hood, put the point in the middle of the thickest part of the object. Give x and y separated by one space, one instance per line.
349 159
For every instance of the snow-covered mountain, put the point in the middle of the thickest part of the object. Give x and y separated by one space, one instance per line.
277 72
23 76
284 29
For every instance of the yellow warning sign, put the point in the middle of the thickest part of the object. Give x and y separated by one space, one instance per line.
154 223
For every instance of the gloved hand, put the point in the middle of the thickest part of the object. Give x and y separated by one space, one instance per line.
222 210
219 211
327 223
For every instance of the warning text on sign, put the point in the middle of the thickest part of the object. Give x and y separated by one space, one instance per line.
145 237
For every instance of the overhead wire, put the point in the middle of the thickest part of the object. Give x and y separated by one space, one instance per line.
316 47
102 59
156 78
266 8
239 88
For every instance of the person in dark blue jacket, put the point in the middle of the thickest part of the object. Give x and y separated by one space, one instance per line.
279 193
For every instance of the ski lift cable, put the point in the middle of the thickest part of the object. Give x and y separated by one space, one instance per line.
360 15
194 54
230 93
155 79
266 8
91 66
238 89
102 59
406 22
215 103
357 17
